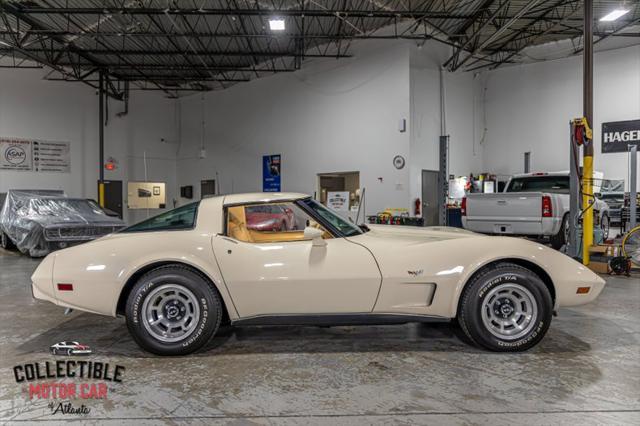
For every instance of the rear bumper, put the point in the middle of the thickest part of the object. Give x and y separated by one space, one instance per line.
544 227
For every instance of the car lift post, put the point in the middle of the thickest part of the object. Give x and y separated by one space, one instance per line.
587 162
574 193
101 140
633 178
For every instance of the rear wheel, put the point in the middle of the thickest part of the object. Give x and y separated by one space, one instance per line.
506 308
173 310
605 225
561 238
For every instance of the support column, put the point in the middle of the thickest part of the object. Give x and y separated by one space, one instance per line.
633 190
101 141
574 194
587 99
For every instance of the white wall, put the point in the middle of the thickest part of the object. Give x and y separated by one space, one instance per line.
462 110
529 107
31 107
332 116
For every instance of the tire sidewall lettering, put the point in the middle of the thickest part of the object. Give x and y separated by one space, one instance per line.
509 277
139 298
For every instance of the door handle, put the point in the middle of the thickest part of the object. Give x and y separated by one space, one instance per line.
502 201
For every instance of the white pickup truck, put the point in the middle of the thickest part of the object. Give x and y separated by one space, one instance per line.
533 204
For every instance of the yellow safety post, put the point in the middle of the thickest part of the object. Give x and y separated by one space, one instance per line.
587 193
101 193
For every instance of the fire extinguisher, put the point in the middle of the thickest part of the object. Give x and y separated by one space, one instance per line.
416 206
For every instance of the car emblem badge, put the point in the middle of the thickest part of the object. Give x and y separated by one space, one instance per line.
416 272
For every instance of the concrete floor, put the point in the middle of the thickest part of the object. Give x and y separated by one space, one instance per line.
586 370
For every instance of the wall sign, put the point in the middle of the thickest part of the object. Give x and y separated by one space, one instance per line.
618 136
271 168
15 155
338 200
35 155
146 195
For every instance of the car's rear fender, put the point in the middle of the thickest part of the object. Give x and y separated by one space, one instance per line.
103 271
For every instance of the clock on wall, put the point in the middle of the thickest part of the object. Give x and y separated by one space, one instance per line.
398 162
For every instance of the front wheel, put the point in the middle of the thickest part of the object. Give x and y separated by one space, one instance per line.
173 310
506 308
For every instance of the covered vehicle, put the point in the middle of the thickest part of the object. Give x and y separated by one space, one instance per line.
179 276
38 223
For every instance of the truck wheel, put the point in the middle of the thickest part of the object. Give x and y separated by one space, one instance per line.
560 239
506 308
605 225
173 310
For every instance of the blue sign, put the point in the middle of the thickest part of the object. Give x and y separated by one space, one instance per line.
271 167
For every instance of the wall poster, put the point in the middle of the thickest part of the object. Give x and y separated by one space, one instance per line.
271 168
32 155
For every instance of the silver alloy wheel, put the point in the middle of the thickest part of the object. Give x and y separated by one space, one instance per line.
171 313
509 311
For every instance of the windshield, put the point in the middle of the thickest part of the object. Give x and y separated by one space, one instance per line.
347 229
58 206
556 184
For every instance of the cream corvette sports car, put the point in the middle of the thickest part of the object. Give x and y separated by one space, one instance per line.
178 276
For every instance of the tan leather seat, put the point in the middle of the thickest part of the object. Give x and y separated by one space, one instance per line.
237 226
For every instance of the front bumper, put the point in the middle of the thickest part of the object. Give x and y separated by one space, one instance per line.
567 291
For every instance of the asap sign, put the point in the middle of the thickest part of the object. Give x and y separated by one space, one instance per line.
618 136
15 154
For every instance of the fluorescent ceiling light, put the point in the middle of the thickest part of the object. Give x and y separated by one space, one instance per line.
276 24
614 14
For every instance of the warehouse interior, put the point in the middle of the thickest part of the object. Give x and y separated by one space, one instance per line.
402 106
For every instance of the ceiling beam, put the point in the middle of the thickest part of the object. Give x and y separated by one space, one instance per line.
149 52
328 13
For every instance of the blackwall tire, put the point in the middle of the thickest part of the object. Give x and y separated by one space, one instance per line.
605 225
505 308
173 310
558 240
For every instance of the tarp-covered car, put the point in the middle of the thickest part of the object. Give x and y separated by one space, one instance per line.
39 223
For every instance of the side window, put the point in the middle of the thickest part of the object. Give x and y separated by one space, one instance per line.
181 218
269 223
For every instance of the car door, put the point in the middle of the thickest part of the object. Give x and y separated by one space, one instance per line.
272 273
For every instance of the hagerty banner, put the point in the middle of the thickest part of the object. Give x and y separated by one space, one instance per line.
35 155
618 136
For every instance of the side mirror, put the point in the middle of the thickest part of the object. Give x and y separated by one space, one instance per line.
315 235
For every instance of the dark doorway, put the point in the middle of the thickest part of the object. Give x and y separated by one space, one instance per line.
207 188
113 196
430 204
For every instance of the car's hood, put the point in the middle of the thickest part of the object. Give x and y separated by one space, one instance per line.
410 235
